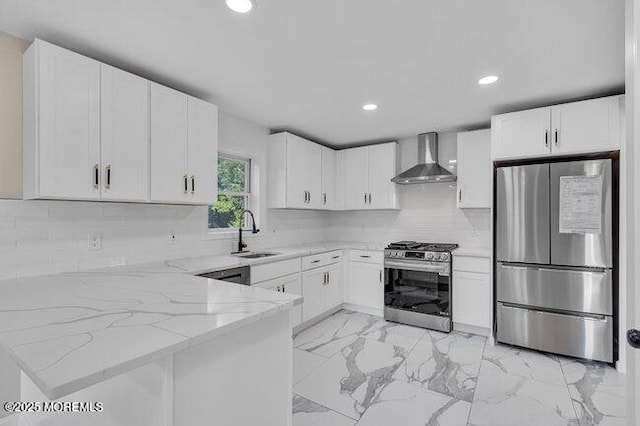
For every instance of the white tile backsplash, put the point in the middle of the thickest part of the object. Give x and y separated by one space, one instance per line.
428 213
44 237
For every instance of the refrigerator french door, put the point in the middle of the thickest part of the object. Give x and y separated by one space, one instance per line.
554 258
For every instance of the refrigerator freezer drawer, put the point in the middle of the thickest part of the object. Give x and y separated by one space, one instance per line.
575 336
556 289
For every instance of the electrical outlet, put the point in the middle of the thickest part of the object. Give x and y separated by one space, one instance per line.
94 242
173 237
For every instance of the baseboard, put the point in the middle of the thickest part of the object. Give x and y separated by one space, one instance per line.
472 329
298 328
363 309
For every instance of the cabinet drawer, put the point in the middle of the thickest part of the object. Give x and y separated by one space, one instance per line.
582 337
366 256
269 271
321 259
472 264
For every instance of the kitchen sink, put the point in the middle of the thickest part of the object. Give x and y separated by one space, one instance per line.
254 255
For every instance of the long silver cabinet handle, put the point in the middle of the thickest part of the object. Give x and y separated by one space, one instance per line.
96 176
107 172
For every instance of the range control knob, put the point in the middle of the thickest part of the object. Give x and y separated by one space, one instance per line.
444 257
429 256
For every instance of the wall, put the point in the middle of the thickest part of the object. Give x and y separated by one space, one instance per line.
11 49
427 212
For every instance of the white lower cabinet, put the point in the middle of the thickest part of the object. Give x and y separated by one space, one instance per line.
321 289
291 284
365 286
471 291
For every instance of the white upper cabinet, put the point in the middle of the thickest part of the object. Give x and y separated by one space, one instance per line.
364 177
587 126
574 128
202 151
353 178
382 168
124 135
184 146
169 177
521 134
474 169
328 178
61 124
94 132
295 173
306 175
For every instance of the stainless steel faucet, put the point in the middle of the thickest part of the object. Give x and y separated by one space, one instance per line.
254 230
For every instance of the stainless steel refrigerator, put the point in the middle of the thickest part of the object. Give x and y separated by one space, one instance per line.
554 258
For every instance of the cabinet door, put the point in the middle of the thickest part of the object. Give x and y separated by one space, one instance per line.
293 285
471 299
169 180
313 283
587 126
366 287
333 289
521 134
382 168
328 199
304 173
474 169
69 119
355 173
125 135
202 152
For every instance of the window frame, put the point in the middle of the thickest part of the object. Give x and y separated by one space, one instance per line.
247 193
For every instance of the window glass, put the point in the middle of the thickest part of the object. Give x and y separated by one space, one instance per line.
234 194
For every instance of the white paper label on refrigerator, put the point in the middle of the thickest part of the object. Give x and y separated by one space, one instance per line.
580 204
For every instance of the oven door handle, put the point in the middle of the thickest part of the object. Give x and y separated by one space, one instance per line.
413 267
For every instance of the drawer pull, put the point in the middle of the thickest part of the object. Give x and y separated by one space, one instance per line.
365 256
335 257
315 261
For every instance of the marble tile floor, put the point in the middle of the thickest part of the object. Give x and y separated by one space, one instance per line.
356 369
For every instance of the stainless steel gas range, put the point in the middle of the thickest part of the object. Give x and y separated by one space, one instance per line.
417 284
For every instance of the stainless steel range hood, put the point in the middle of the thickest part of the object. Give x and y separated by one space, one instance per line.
427 170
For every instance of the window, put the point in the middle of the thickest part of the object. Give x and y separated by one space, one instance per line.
234 193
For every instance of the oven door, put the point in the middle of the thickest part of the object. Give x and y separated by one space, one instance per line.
419 287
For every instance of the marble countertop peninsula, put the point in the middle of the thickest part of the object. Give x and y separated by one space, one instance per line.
70 331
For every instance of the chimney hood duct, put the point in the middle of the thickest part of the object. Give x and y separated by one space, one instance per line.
427 170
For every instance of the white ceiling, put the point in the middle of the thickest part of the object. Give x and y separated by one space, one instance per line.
309 65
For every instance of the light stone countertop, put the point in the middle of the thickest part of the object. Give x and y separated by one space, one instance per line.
472 252
70 331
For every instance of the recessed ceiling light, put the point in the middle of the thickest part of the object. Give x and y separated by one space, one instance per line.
488 79
240 6
369 107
